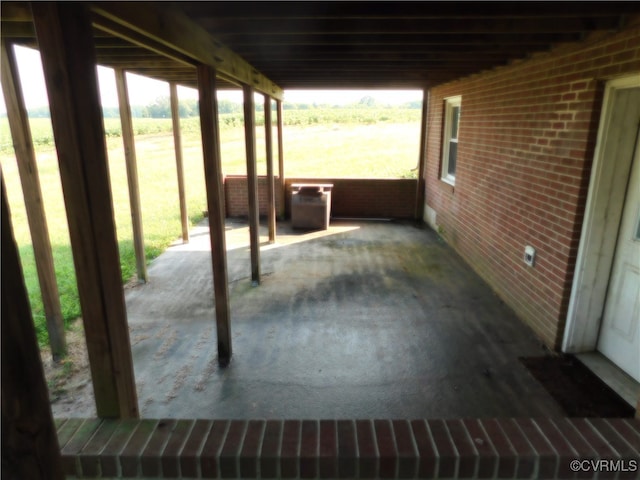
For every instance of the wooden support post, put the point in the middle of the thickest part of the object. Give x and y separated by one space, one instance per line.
215 204
28 170
271 194
282 190
252 181
29 441
65 40
132 174
177 142
420 193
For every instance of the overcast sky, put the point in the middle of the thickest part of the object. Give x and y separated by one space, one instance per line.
143 91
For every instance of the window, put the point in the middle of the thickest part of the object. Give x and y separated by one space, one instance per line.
450 140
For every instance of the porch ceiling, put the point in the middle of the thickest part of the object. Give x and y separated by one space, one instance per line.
344 44
396 44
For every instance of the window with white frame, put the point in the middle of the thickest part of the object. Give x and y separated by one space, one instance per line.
450 139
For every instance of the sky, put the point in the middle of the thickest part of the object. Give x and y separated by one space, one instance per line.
143 91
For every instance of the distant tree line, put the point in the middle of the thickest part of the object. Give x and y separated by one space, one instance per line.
364 102
161 108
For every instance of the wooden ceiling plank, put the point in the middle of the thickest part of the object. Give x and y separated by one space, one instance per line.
423 10
495 47
412 61
416 26
246 39
278 37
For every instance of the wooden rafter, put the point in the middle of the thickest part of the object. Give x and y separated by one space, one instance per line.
164 30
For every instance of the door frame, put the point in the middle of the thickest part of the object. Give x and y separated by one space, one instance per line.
597 247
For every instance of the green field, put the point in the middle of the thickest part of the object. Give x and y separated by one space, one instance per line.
380 143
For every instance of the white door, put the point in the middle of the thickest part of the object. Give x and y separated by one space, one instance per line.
620 330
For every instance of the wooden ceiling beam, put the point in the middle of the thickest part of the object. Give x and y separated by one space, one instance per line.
118 44
169 31
23 29
247 39
276 65
166 75
326 83
16 12
282 51
14 29
114 28
409 59
366 71
379 84
133 53
142 61
159 74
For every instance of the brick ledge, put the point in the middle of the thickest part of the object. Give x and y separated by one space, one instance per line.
468 448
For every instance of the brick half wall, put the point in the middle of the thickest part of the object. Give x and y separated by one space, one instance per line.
454 448
350 197
236 196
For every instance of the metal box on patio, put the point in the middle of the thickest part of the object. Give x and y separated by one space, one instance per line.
311 205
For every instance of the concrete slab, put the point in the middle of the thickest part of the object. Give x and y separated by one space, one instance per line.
364 320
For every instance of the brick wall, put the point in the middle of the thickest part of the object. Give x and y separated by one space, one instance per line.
526 143
350 197
470 448
366 197
236 196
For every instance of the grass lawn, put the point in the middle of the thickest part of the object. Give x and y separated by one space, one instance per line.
381 149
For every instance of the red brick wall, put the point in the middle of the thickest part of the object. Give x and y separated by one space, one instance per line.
366 197
237 199
526 143
350 197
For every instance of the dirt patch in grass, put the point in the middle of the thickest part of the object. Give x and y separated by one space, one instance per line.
69 381
577 389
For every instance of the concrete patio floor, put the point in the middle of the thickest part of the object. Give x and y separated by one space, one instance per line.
365 320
